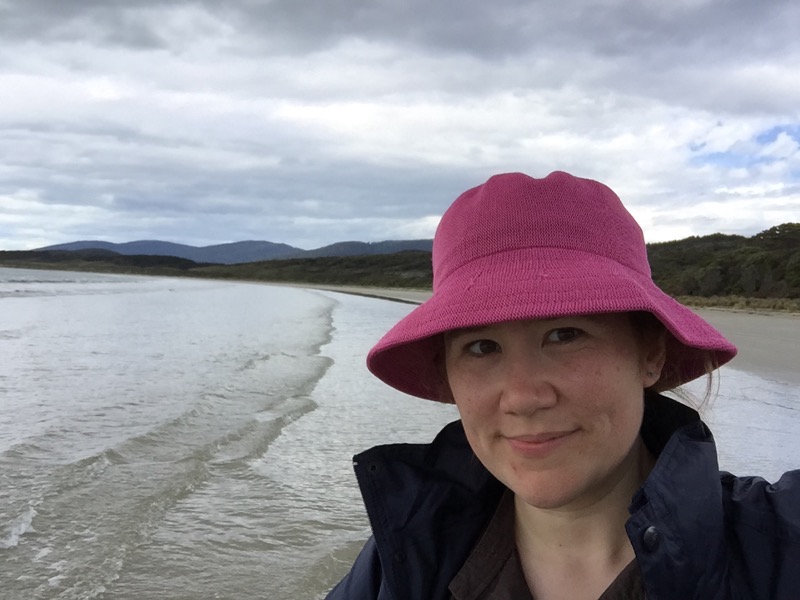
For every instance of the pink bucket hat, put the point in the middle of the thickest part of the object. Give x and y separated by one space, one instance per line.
517 247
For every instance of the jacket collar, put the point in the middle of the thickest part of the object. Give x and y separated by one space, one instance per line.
427 504
676 525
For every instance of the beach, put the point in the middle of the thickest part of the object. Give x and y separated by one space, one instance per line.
767 342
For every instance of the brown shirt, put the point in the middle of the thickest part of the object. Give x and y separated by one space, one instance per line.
493 570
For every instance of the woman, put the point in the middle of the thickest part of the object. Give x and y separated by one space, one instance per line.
568 475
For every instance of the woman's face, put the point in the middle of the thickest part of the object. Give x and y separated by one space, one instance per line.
553 407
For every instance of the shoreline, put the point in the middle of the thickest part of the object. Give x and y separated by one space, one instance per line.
767 341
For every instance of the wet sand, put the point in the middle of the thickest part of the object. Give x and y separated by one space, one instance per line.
768 342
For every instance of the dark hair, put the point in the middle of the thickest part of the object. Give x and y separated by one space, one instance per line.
646 324
443 391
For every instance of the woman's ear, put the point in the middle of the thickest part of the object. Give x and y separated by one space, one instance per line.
654 355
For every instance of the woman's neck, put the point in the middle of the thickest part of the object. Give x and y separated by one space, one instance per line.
580 548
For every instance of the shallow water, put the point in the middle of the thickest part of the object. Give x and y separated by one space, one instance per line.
182 439
151 441
756 424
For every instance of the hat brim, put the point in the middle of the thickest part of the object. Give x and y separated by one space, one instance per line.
535 283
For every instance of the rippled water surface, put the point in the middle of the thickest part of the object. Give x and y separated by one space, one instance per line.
165 438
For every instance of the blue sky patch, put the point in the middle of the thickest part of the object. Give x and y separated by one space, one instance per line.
770 135
743 155
731 159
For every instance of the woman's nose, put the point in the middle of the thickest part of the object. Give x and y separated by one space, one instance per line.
528 385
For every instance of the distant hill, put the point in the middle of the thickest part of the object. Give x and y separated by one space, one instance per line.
242 252
97 259
764 266
369 248
226 254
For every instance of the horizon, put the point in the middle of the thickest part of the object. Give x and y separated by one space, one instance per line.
102 241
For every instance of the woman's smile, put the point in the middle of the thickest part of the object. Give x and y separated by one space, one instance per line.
540 445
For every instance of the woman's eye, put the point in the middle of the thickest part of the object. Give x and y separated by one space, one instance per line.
563 334
483 347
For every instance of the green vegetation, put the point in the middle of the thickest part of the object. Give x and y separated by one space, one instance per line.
408 269
100 261
766 265
757 273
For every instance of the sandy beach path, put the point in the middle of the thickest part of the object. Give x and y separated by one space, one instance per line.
768 343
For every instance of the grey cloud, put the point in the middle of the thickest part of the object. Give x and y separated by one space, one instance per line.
503 28
689 50
126 171
212 209
111 22
715 28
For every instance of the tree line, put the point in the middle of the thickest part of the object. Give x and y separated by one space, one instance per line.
764 266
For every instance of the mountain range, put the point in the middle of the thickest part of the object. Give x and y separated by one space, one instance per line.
763 266
243 252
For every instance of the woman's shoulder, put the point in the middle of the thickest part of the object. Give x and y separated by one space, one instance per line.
773 509
762 526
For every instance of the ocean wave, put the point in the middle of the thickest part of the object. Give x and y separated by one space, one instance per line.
18 527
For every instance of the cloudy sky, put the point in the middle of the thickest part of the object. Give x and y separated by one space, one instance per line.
315 121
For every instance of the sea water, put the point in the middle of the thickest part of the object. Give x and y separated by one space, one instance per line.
171 438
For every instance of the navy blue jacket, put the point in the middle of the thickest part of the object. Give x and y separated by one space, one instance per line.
697 532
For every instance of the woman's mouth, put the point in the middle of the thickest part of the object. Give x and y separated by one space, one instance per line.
539 445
